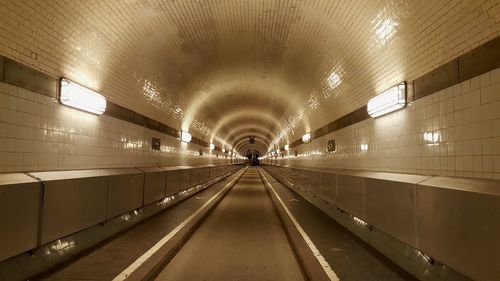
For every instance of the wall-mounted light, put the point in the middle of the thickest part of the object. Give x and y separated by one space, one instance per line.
364 147
389 101
306 138
287 147
223 150
186 137
432 137
211 146
77 96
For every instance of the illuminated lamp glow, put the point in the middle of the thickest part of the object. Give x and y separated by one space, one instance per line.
287 147
186 137
211 146
77 96
306 138
431 137
389 101
223 150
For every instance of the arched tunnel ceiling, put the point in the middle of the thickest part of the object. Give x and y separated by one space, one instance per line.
218 68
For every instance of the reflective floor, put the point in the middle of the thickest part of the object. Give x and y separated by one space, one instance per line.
242 239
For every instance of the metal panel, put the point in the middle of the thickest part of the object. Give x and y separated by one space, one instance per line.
301 180
480 60
390 207
194 177
438 79
25 77
19 212
185 179
350 195
203 174
173 182
314 179
120 112
211 172
125 193
154 186
70 205
457 223
329 187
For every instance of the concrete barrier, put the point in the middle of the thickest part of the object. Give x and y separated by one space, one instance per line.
19 212
453 220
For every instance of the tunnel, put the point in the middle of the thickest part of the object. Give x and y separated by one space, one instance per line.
253 140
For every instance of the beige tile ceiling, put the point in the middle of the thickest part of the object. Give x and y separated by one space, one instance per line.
228 69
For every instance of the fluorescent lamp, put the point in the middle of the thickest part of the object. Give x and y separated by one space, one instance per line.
389 101
185 136
432 137
306 138
74 95
211 146
287 147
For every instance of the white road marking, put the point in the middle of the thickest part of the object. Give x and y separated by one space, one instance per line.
326 267
137 263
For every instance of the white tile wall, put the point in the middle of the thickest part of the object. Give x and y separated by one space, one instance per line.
454 132
37 133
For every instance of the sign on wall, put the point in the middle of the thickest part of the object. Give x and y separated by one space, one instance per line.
331 147
155 143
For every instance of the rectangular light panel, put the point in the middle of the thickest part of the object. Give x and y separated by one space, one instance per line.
389 101
77 96
306 138
185 136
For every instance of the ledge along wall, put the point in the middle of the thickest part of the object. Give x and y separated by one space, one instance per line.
411 217
48 217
